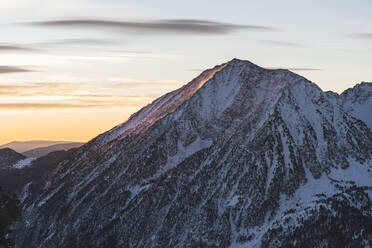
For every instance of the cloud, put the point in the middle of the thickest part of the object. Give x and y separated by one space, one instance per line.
116 87
280 43
80 42
130 83
175 26
129 101
13 69
295 68
362 35
43 46
115 93
16 48
39 89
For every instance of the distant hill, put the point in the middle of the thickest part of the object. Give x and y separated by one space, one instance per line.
23 146
42 151
13 180
9 157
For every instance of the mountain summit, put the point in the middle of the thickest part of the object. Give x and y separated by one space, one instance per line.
241 156
358 101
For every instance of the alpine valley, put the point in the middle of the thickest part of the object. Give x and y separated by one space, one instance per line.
241 156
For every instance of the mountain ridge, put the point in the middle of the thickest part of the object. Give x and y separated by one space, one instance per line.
42 151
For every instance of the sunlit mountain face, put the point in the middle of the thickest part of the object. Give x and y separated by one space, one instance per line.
129 124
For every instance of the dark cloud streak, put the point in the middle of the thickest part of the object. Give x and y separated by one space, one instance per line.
362 35
13 69
16 48
151 26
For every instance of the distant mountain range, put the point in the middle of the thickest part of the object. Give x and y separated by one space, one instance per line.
38 148
42 151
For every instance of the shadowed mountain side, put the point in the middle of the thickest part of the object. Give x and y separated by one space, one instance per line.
13 181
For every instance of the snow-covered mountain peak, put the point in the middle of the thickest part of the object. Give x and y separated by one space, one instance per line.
245 63
358 101
241 156
221 95
359 92
159 108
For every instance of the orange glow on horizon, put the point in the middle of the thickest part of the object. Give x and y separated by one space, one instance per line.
72 125
72 112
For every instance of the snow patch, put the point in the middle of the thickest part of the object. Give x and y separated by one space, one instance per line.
23 163
183 153
50 195
359 173
233 201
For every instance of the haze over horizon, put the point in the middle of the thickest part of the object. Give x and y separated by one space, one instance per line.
72 69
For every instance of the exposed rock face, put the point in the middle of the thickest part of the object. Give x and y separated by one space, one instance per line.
222 162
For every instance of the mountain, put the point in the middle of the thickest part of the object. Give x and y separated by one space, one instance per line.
42 151
241 156
358 101
9 157
23 146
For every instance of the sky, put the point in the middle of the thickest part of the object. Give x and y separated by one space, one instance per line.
72 69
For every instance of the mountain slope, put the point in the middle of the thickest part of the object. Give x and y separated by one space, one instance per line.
218 163
42 151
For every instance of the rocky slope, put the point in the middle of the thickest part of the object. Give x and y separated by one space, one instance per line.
240 157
